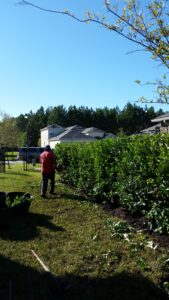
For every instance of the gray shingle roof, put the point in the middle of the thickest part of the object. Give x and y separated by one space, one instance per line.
75 127
92 130
152 129
160 118
109 135
51 126
71 134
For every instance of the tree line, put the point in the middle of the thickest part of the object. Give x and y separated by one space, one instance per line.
24 130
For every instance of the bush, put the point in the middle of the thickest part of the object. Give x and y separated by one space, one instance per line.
134 170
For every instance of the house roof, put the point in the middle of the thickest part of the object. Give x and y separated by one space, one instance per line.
71 134
75 132
109 135
52 126
92 130
161 118
75 127
151 129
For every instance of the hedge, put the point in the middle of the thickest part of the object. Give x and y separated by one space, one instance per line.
133 171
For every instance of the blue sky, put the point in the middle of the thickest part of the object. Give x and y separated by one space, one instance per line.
50 60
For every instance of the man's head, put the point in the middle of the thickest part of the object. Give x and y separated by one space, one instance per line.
47 148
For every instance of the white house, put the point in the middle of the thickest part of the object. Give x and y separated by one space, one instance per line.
48 132
56 134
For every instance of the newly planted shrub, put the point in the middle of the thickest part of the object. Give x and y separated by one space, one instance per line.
18 202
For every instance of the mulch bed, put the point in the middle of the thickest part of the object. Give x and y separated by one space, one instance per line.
137 222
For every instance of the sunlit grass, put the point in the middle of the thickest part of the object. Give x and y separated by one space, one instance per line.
72 237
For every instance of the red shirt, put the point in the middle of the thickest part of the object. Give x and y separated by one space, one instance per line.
48 161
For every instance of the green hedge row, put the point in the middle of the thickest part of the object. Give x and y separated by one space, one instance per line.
133 171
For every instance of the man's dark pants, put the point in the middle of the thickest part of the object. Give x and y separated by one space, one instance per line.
45 178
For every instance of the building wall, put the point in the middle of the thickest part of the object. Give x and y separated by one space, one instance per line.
48 134
44 138
53 144
164 129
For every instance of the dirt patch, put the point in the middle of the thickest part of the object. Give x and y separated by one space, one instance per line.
138 222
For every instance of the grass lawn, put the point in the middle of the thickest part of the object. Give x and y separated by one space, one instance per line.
91 254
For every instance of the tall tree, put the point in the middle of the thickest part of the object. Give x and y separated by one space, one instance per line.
21 121
30 125
133 118
57 115
106 119
73 116
9 133
85 116
41 117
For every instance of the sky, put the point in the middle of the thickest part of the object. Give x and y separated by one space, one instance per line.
49 60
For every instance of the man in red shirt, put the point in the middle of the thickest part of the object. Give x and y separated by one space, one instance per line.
48 165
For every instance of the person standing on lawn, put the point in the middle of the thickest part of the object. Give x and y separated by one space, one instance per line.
48 166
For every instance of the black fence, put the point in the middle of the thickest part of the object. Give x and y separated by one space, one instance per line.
2 162
30 154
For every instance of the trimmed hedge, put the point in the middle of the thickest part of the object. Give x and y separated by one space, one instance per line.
133 171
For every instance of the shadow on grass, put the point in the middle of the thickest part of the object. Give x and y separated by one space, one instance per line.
78 197
3 177
17 173
24 228
27 283
71 197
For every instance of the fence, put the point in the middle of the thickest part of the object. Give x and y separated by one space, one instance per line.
2 162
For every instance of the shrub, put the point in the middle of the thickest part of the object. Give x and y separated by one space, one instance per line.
133 170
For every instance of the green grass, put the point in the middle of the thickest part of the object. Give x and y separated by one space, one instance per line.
91 254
